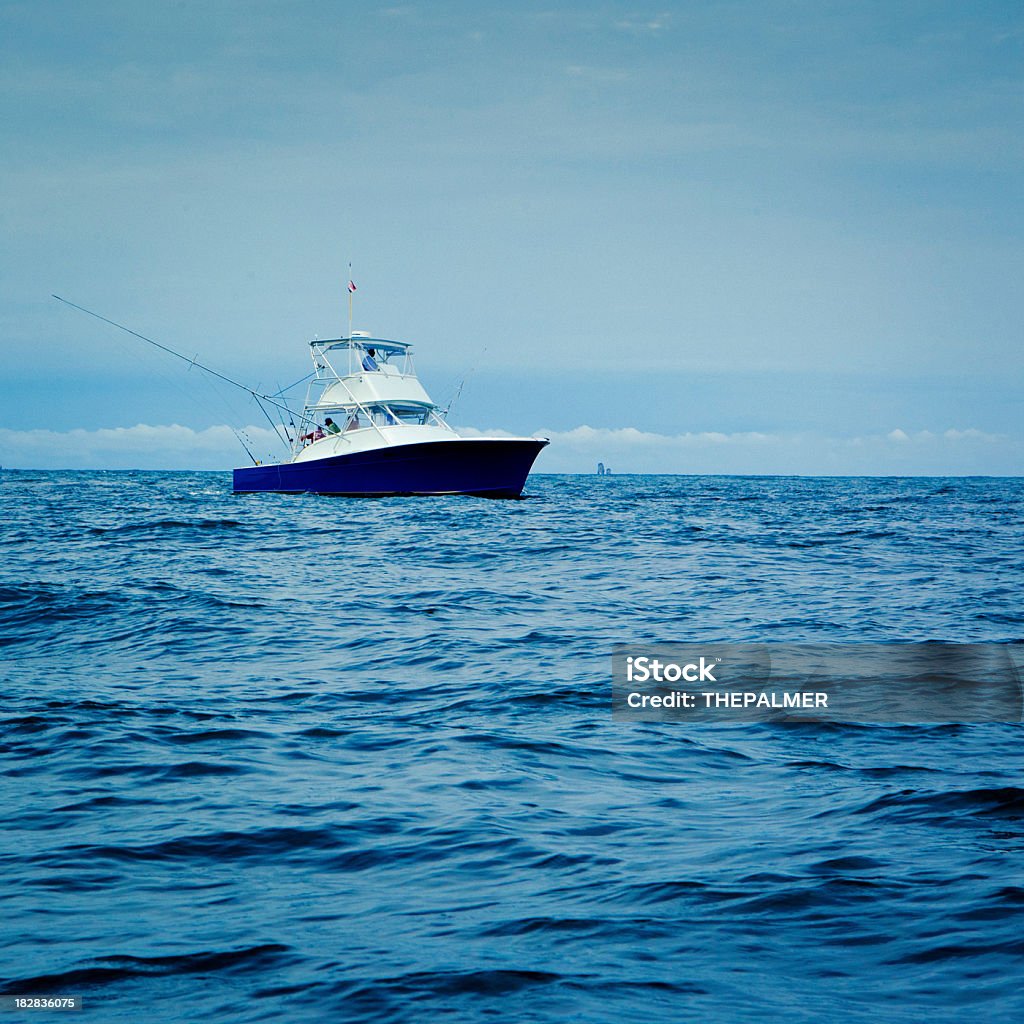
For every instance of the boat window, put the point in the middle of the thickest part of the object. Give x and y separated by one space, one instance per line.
380 416
411 414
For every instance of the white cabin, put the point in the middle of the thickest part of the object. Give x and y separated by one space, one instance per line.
365 395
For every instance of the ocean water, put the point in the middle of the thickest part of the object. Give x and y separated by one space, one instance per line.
274 758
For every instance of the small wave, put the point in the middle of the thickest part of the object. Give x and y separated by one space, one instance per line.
215 736
653 893
528 925
42 605
199 769
259 844
157 771
165 524
455 983
1001 904
1011 949
110 969
846 865
1005 802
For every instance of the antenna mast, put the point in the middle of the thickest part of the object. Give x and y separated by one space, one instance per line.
351 292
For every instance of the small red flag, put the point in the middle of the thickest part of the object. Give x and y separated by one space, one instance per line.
351 287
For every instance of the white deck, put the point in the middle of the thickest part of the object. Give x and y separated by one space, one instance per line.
369 438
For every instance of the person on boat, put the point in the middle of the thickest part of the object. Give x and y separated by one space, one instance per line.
353 420
369 363
331 427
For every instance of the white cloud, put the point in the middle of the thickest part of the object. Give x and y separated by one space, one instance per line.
138 447
640 24
968 435
624 449
629 450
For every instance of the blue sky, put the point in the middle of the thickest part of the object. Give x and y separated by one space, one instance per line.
795 226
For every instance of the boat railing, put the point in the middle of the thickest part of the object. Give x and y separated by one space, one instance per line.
361 426
364 355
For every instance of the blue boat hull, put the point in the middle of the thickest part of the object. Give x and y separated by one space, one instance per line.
489 467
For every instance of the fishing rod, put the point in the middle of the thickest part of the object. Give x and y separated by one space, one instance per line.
302 380
188 359
273 425
462 383
455 397
284 426
238 438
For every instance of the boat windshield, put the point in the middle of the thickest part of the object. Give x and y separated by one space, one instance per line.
379 415
411 414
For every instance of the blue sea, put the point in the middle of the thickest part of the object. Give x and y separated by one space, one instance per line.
277 758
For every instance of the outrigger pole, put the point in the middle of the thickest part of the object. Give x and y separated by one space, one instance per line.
170 351
260 398
351 287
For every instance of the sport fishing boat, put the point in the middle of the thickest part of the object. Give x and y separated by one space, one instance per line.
368 427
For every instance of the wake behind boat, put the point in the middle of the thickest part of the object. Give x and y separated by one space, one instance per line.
371 429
